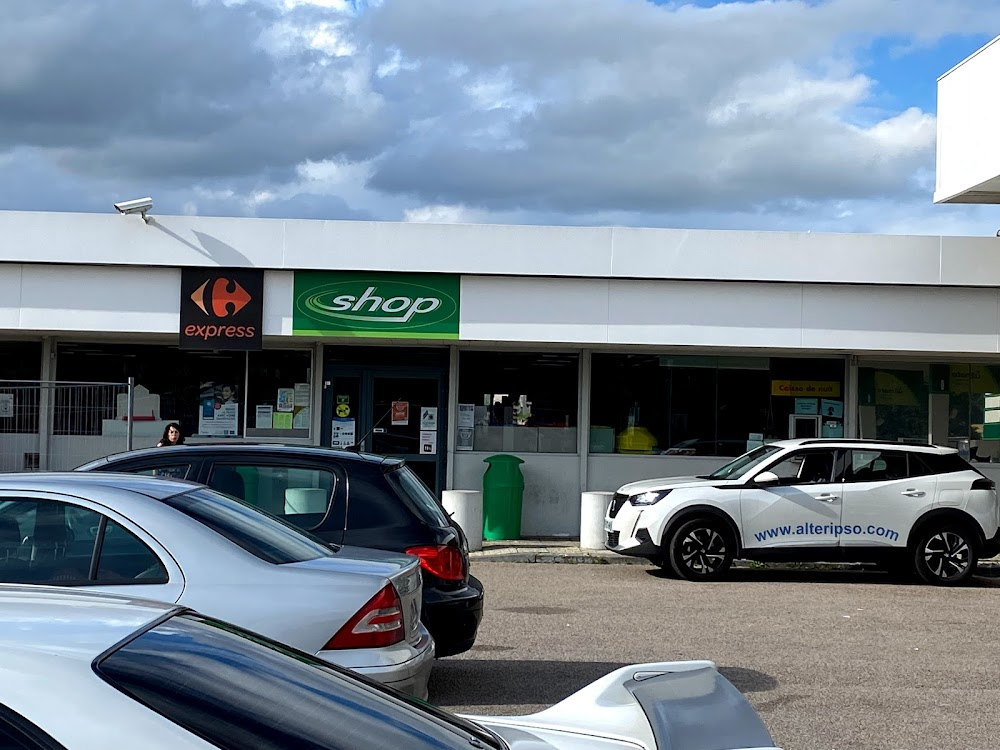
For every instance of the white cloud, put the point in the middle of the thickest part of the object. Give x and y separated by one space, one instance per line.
442 215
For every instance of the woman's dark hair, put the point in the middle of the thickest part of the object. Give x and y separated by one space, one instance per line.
165 440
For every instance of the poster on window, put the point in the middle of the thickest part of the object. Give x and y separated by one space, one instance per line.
263 416
401 413
217 419
344 433
286 399
429 418
464 438
428 442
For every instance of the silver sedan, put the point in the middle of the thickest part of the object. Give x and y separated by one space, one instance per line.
90 671
182 543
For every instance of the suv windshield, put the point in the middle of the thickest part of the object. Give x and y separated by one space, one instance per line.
238 690
259 533
739 466
409 485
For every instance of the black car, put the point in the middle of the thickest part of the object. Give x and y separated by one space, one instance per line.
344 498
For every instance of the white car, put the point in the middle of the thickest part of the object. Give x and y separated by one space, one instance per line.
906 507
180 542
85 671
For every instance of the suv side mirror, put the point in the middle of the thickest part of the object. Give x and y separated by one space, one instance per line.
766 478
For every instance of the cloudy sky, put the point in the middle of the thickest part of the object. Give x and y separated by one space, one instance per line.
768 114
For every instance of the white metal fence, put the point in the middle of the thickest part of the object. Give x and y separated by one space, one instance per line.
56 426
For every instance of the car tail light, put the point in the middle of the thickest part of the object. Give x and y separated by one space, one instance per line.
378 623
983 484
443 560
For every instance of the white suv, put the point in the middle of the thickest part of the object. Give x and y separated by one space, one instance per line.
905 507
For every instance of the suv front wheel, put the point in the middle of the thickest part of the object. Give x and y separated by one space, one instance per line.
945 556
701 549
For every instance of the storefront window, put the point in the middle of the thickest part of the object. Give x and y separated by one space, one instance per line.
712 406
211 394
200 390
20 369
518 402
953 404
279 394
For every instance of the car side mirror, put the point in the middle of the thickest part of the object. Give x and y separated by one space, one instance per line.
766 478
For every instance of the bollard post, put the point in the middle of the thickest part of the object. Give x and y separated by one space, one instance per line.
466 508
593 506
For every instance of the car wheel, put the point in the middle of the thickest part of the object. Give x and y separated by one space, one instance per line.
701 549
945 556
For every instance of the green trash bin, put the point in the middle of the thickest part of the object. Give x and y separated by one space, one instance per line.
503 493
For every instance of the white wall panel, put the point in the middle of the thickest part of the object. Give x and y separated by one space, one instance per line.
524 309
10 295
448 248
705 313
551 505
775 256
968 116
57 298
867 318
970 261
279 291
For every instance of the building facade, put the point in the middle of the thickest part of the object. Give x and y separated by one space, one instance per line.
597 355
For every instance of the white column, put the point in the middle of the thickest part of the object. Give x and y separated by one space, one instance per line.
466 508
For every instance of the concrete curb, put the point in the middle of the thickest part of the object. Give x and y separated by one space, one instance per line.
598 557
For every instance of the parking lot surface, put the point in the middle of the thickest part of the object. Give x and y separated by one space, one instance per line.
831 660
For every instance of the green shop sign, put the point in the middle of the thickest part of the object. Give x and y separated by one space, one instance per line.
390 305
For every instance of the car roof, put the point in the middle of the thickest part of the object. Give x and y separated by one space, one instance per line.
68 622
155 487
242 447
861 443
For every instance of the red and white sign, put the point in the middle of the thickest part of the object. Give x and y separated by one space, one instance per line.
400 412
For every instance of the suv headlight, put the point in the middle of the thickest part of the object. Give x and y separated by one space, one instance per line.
649 498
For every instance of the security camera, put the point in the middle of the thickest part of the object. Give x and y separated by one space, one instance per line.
138 206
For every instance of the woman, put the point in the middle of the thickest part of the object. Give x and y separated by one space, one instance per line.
171 436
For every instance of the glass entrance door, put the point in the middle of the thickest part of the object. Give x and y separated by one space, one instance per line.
390 412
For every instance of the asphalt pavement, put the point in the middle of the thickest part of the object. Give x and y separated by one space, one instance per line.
832 659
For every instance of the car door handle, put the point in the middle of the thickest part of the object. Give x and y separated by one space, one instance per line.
913 493
826 497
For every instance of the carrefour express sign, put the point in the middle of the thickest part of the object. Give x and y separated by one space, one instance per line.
390 305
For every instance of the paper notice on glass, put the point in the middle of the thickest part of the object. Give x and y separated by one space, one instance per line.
301 394
344 433
428 442
400 412
464 438
218 420
6 404
428 418
301 420
282 420
263 418
286 399
466 415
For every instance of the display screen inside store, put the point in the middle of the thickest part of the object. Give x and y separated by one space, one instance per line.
648 404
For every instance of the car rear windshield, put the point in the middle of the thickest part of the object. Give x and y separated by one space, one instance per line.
237 691
410 486
259 533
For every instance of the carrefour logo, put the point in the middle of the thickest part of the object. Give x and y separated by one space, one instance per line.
375 304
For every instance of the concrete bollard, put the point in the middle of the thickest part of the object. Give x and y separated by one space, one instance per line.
593 506
466 507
